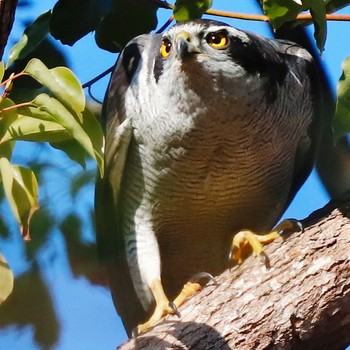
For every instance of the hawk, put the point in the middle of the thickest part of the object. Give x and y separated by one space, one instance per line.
210 132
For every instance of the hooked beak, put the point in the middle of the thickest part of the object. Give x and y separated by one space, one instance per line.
184 46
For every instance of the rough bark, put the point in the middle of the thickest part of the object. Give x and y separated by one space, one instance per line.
7 15
301 302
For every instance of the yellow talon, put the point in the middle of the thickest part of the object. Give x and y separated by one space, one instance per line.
188 290
242 242
162 309
246 240
163 306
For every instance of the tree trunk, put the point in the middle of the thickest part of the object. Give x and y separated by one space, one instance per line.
7 16
301 302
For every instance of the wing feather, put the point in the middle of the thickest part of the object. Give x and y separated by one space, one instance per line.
110 239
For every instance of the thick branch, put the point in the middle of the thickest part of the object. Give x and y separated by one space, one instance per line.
7 15
301 302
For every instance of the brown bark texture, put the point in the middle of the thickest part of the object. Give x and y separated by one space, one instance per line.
301 302
7 16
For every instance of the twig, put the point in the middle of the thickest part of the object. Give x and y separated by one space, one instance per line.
165 25
255 17
19 105
263 18
14 107
97 78
110 69
92 96
11 78
89 84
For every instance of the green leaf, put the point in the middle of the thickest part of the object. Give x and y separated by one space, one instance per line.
335 5
318 13
73 150
33 35
63 117
282 11
6 151
341 121
42 224
128 19
6 279
35 112
34 129
93 130
6 117
31 305
47 120
21 190
2 70
61 82
80 180
190 9
31 124
73 19
77 153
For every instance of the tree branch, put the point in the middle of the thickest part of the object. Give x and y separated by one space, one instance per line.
301 302
255 17
263 18
7 15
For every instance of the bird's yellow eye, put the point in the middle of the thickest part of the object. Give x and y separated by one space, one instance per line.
165 48
218 40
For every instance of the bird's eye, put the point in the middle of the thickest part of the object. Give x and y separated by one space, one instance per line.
165 48
217 40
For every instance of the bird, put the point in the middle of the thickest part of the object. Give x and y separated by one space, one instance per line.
210 132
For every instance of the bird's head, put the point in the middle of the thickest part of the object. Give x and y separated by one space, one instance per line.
211 52
187 40
212 45
203 56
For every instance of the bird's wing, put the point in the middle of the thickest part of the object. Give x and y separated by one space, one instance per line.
277 58
110 240
300 61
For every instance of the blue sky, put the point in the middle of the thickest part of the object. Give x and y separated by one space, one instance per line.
86 313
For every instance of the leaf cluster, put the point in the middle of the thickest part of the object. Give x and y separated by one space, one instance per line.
58 115
54 111
115 22
282 11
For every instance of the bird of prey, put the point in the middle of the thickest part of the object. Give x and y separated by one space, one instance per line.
210 132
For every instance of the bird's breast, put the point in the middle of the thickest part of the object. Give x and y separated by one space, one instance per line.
216 168
198 171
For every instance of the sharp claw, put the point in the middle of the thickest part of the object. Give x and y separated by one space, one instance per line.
232 252
174 307
196 278
265 259
134 332
299 225
289 225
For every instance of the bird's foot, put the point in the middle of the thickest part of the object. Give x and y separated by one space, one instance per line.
188 290
163 307
192 287
161 310
245 241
